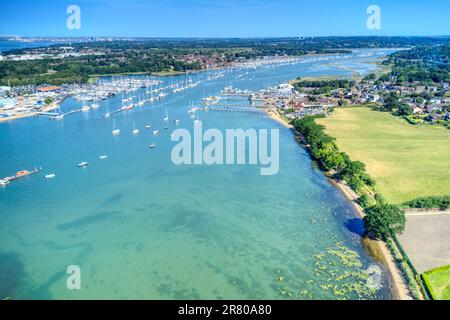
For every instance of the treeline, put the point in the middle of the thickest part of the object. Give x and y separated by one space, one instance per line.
335 84
322 86
70 70
382 219
436 202
324 149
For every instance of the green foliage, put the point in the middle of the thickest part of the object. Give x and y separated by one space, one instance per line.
370 76
437 282
384 220
324 149
323 86
404 110
366 201
425 64
48 101
442 203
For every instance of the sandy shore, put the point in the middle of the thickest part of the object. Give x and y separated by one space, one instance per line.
378 248
276 116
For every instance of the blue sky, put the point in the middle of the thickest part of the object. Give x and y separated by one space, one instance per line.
223 18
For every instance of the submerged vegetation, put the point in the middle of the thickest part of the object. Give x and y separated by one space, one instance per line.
342 276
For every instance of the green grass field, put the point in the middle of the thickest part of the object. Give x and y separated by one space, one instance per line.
438 282
406 161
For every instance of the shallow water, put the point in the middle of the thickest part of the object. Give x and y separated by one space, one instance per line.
141 227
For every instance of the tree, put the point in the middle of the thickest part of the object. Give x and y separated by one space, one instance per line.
335 160
391 102
404 110
370 76
48 101
383 221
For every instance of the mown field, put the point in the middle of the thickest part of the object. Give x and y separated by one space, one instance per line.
438 282
406 161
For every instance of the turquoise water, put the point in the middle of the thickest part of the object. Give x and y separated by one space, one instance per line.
141 227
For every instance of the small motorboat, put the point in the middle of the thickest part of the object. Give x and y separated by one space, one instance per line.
103 157
177 121
82 164
4 183
152 146
148 126
50 176
155 132
116 132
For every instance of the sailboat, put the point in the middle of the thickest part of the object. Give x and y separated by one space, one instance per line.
85 108
59 116
95 105
135 131
152 145
107 114
141 101
115 131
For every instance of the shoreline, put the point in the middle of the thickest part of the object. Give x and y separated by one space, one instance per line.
274 115
399 288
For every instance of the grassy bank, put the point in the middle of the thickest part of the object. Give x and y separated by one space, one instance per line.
167 73
406 161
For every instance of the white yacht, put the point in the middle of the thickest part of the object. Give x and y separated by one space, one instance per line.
115 131
135 131
85 108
